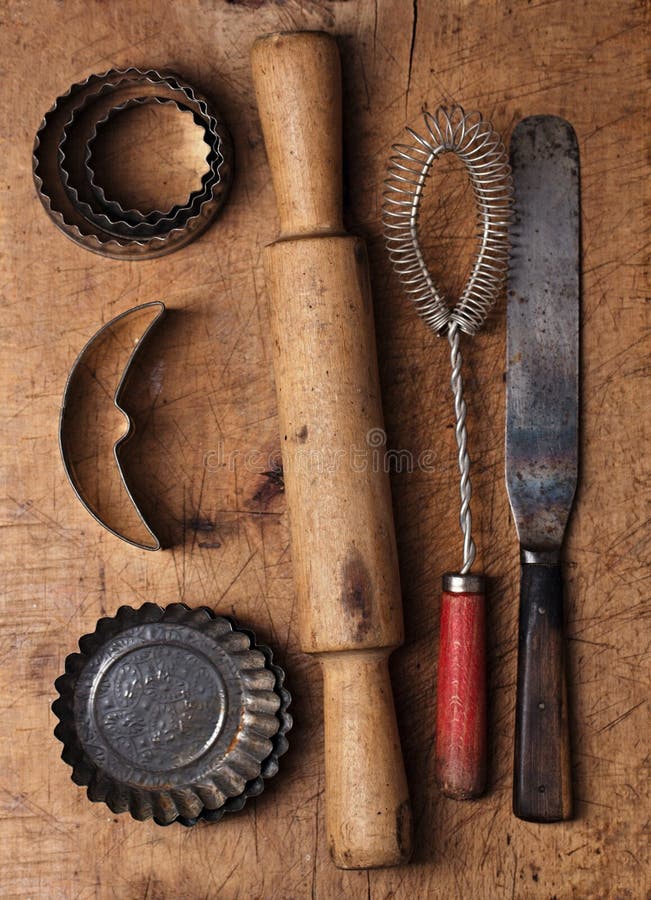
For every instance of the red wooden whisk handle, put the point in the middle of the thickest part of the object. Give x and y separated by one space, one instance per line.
461 692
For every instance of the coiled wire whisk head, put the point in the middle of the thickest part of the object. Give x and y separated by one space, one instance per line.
482 152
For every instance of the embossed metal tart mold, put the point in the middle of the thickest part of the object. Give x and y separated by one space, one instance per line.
66 183
172 714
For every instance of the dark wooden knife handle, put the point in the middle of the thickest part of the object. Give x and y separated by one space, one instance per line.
541 784
461 689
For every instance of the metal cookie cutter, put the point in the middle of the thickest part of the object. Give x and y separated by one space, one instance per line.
172 713
66 183
71 432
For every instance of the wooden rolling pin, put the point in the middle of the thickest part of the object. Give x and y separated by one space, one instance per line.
338 493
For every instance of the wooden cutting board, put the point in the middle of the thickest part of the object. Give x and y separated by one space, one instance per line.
208 448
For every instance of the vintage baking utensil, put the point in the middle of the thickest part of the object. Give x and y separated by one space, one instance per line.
172 713
542 445
342 532
139 533
67 185
461 692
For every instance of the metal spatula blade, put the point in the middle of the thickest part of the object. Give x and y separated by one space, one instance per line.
542 444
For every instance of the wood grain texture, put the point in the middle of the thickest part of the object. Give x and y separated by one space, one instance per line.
346 567
542 790
297 80
211 434
343 541
461 696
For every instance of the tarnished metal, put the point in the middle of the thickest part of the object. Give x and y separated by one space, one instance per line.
540 557
172 714
474 142
542 385
67 186
156 309
472 139
455 583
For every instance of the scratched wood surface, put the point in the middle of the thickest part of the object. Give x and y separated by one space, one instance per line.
209 433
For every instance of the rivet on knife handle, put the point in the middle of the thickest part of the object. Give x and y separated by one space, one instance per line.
542 445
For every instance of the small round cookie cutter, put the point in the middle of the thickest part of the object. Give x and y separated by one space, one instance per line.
66 183
69 432
172 714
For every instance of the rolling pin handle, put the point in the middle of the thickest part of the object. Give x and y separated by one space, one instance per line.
368 817
298 85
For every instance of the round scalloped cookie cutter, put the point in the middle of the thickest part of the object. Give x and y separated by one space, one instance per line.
66 184
133 218
172 714
109 215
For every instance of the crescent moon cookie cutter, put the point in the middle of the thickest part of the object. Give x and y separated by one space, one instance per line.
69 431
66 181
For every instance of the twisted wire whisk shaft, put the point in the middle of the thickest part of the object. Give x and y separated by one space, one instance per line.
461 434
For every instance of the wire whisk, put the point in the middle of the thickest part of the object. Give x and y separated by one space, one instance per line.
481 150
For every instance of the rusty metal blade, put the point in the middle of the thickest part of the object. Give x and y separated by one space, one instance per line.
543 331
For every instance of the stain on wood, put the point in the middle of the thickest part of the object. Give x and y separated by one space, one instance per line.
357 593
272 485
404 827
210 402
200 523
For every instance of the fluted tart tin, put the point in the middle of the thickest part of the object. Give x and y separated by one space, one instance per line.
172 713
